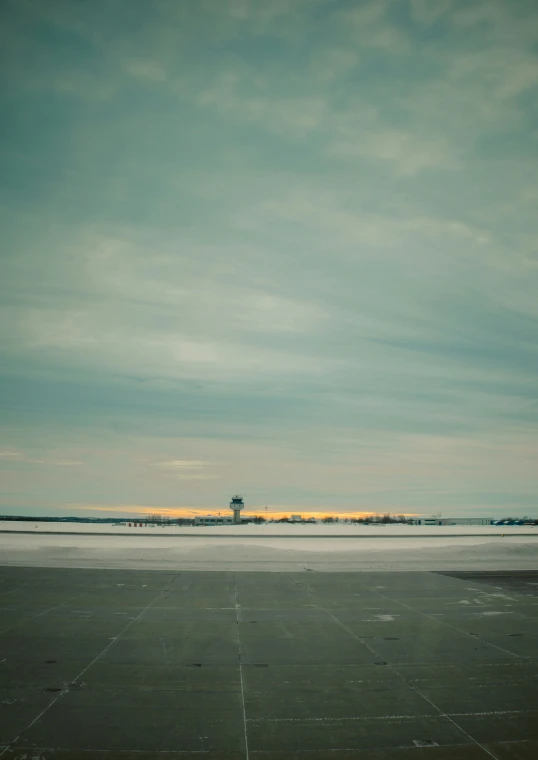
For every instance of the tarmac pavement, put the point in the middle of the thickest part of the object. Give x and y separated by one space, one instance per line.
109 664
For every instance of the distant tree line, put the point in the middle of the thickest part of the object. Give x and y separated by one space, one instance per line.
157 519
372 519
41 518
148 519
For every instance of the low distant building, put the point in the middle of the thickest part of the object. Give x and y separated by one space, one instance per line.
208 520
452 521
296 518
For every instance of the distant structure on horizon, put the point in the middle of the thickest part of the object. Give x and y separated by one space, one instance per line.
453 521
236 505
211 520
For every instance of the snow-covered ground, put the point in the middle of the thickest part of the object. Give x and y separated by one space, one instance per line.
304 530
271 547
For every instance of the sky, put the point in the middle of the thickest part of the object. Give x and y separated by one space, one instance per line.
287 249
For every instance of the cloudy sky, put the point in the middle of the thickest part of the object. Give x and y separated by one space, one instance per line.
284 248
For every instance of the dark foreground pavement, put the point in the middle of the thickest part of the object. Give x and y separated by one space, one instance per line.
105 664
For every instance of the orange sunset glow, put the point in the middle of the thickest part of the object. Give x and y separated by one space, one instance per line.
272 513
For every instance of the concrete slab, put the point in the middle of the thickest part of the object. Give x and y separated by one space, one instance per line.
524 644
167 651
192 630
327 629
45 753
94 614
466 752
475 697
41 648
523 581
337 703
289 665
296 651
18 707
207 615
73 625
522 672
444 646
39 675
523 750
141 719
501 725
325 735
301 615
169 677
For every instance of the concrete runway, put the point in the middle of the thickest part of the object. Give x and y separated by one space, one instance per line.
106 664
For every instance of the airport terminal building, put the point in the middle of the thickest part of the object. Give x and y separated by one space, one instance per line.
213 520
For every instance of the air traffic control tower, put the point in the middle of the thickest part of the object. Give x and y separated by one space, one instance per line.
237 505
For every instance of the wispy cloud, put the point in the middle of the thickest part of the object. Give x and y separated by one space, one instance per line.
67 463
180 464
409 153
186 469
6 454
17 457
